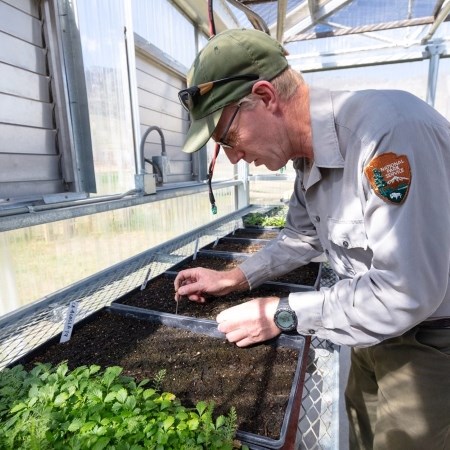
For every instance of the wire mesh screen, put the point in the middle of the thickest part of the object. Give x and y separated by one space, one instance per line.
26 329
319 416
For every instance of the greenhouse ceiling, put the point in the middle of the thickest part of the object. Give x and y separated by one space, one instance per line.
326 34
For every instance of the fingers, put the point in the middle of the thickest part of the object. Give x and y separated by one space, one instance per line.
249 323
184 277
186 285
192 297
243 337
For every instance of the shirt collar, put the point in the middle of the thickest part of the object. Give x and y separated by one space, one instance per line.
325 142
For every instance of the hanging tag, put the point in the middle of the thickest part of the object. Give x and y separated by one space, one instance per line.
70 322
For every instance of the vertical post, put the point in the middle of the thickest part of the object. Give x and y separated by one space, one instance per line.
242 194
132 84
433 52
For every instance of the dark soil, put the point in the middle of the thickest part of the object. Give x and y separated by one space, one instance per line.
305 275
256 380
230 246
254 233
159 295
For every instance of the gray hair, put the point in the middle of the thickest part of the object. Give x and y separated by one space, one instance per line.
286 84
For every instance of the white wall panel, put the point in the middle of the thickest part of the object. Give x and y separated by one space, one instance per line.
20 24
27 140
159 106
22 54
16 110
30 164
23 83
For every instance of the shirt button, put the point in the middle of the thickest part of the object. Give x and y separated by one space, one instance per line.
345 244
311 331
317 219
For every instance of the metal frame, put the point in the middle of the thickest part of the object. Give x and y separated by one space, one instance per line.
71 88
27 216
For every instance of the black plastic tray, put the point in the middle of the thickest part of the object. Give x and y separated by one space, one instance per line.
209 328
240 257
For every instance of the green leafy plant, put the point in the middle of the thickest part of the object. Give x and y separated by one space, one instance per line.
86 408
276 217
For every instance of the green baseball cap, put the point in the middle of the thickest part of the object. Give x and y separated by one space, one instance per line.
243 55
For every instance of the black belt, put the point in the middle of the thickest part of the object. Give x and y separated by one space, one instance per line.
436 323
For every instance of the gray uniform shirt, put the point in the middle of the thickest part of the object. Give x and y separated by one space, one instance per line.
391 249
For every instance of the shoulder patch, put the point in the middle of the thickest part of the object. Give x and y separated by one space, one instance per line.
390 176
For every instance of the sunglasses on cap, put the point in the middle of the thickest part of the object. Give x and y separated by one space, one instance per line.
189 97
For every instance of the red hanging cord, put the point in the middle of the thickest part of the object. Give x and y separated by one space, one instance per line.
212 26
210 175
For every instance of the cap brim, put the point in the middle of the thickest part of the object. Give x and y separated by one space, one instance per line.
200 131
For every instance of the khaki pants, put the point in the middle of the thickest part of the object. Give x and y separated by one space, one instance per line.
398 393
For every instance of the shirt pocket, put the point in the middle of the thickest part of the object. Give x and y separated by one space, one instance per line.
347 233
348 246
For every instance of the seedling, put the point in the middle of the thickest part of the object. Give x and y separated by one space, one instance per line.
55 408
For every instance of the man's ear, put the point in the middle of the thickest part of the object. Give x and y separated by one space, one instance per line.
266 91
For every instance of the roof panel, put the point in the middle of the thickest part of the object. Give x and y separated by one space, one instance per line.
368 12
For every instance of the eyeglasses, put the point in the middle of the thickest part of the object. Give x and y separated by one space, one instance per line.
222 140
188 97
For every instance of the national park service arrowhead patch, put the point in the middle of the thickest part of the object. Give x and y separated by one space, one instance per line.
390 176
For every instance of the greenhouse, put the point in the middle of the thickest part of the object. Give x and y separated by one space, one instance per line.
102 206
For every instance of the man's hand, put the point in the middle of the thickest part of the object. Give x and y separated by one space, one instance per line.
250 322
195 283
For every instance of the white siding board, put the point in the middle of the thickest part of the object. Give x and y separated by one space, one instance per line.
151 101
156 86
149 117
28 168
27 140
21 111
145 65
26 6
20 24
22 83
19 53
21 189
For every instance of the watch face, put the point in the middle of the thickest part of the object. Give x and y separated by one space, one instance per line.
284 320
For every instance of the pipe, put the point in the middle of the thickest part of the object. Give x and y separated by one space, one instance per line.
38 208
443 13
163 150
144 137
256 20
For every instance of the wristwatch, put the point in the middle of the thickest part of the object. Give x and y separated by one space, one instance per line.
285 317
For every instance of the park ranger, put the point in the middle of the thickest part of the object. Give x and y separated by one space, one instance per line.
372 193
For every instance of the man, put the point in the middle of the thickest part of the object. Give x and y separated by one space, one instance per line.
373 192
